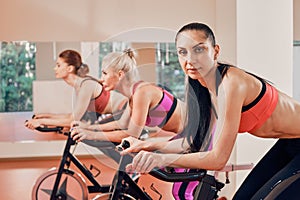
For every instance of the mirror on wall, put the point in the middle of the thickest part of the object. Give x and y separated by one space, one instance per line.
28 83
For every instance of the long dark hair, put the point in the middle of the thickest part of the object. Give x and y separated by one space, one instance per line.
199 27
199 105
198 114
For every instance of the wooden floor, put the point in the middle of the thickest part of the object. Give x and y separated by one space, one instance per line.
18 177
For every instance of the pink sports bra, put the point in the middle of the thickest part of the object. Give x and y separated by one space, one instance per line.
162 112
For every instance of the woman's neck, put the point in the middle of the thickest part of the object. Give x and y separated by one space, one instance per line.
125 88
209 81
72 80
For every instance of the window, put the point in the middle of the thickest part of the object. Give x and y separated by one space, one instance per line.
168 69
107 47
17 71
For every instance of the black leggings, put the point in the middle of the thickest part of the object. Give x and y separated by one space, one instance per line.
280 163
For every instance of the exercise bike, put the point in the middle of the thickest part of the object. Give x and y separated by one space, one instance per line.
208 187
63 183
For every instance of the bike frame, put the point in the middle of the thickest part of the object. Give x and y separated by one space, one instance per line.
122 183
207 189
67 159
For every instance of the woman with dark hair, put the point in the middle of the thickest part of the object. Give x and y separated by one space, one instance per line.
234 101
90 95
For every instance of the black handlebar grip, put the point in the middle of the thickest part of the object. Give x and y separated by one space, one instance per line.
47 129
125 144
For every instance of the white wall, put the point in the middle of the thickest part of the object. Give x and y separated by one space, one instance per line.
296 72
90 20
296 16
264 46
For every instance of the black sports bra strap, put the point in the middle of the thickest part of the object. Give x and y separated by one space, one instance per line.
222 70
87 79
169 114
258 98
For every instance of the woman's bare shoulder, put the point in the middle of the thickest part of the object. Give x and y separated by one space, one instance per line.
236 77
89 83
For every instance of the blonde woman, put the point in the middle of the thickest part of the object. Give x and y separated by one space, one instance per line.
149 104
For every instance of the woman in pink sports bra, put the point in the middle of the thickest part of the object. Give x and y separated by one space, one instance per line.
149 104
235 101
90 95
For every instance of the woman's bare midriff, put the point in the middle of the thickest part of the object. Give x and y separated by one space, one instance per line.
173 124
281 124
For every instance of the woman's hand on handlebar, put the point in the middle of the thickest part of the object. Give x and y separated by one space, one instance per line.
135 145
80 124
32 123
145 161
40 116
79 134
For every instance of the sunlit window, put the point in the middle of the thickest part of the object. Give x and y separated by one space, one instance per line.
107 47
17 71
168 70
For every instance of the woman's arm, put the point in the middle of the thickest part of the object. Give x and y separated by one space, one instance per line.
133 120
136 145
34 123
229 103
82 100
142 101
50 115
88 90
80 134
122 123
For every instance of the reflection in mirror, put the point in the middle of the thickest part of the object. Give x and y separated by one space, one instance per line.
168 69
28 84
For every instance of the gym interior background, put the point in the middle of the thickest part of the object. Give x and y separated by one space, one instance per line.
259 36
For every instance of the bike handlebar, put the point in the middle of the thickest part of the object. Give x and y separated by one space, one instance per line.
47 129
178 176
57 129
172 177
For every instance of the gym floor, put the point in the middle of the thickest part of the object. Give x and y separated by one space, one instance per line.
18 177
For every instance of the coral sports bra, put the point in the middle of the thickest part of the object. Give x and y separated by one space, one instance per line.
255 114
99 103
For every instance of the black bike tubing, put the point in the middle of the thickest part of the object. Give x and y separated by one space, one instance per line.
96 186
117 185
205 190
61 167
123 179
